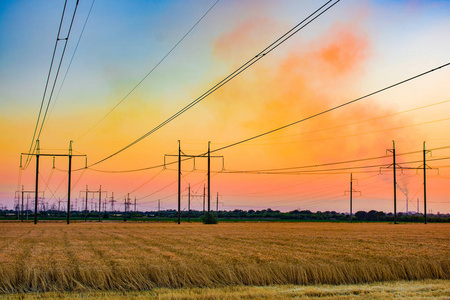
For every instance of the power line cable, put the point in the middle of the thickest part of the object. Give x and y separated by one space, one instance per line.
279 171
238 71
150 72
46 85
66 39
354 134
59 68
71 59
331 109
361 121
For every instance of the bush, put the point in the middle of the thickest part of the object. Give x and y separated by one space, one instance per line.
209 218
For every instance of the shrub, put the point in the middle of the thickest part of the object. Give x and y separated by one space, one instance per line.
209 218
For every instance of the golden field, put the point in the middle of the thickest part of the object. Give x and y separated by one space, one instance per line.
123 257
427 289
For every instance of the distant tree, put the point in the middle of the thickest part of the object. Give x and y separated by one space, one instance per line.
360 215
372 215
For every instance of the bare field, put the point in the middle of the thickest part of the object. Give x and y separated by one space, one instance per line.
105 256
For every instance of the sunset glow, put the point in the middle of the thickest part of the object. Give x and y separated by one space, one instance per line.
354 49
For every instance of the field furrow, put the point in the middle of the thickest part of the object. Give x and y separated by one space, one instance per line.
141 256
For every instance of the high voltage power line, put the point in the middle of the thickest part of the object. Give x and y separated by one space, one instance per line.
73 55
331 109
234 74
296 172
66 39
290 124
363 121
355 134
148 74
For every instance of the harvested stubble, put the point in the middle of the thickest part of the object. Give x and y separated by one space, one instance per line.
117 256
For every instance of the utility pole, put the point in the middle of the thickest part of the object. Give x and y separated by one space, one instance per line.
395 183
38 154
203 198
112 201
179 182
189 203
209 177
182 154
100 204
125 204
22 205
69 182
424 184
394 165
217 203
86 204
159 208
37 183
351 197
99 201
135 207
351 191
27 205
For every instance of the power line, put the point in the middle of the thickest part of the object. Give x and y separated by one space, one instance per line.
295 172
366 120
66 39
71 59
150 72
46 84
238 71
357 134
333 108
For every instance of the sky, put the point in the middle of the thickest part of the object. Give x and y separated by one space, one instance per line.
121 77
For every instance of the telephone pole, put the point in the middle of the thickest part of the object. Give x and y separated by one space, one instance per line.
394 165
86 204
38 154
424 184
99 192
69 182
159 208
182 154
204 198
179 182
21 214
351 191
125 204
209 177
189 203
112 201
36 192
20 206
100 204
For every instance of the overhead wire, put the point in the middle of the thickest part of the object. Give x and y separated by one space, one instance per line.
46 85
150 72
296 172
359 122
331 109
238 71
66 39
356 134
71 59
59 68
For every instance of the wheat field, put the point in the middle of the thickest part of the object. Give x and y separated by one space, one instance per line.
427 289
55 257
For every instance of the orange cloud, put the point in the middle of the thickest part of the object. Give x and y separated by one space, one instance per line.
240 42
